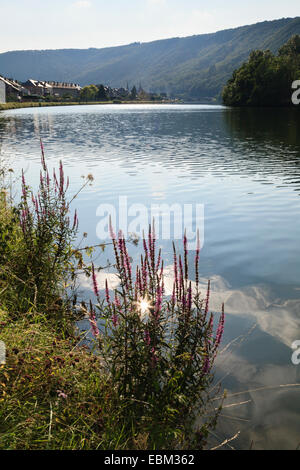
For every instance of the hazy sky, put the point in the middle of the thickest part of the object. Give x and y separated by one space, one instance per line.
54 24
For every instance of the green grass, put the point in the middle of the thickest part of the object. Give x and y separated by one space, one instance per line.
34 414
8 106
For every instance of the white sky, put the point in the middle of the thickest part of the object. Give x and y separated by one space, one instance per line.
58 24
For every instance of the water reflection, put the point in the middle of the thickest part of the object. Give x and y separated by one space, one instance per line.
266 126
268 141
261 144
255 359
3 123
258 304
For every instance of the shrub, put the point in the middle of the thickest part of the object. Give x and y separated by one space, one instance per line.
158 352
37 253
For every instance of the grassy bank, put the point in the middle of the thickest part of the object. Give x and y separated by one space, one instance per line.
144 382
8 106
52 395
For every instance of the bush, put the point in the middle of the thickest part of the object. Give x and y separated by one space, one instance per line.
158 352
37 254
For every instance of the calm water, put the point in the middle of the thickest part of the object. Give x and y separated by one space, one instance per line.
244 166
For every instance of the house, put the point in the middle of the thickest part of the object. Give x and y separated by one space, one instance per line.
2 91
116 93
61 88
58 89
9 88
37 87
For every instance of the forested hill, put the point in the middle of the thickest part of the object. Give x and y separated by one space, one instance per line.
192 67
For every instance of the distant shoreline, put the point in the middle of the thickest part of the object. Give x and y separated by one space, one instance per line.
9 106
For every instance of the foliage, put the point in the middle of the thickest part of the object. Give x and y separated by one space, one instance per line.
133 93
101 94
37 255
12 97
291 48
266 79
52 392
66 97
89 93
158 352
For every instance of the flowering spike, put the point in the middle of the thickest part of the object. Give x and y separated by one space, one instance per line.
61 179
147 338
114 319
220 329
197 256
93 322
95 284
43 156
186 268
107 292
111 230
207 299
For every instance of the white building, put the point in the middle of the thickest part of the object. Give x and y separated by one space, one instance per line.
11 88
2 91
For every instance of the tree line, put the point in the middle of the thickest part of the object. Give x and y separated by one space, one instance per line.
266 78
104 93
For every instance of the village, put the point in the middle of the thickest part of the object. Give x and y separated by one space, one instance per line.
33 90
39 91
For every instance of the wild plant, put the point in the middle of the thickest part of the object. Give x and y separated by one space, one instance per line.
159 351
38 250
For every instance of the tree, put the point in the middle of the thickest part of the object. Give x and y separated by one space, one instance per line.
101 95
291 48
88 93
133 94
143 95
266 79
67 97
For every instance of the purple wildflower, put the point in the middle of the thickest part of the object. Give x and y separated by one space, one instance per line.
147 338
207 299
197 256
43 155
114 318
93 322
186 269
107 297
61 179
206 365
220 329
111 230
61 394
95 284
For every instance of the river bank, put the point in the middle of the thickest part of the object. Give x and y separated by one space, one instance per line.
8 106
119 385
